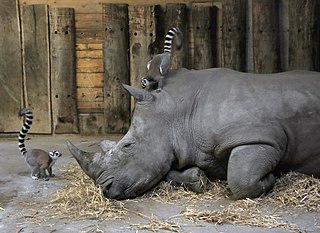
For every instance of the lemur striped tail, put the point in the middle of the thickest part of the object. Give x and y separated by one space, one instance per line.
27 113
169 37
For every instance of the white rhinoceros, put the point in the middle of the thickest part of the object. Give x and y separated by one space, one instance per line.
245 128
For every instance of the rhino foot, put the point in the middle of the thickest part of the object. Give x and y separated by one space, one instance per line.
192 178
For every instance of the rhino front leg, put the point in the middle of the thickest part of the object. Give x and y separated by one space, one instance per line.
250 170
192 178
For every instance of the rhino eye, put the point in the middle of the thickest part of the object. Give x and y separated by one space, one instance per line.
127 145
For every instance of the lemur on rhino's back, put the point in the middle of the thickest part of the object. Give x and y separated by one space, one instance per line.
160 63
38 160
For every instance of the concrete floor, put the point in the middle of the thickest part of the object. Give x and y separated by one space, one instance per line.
17 189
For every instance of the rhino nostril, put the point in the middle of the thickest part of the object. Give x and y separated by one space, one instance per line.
108 185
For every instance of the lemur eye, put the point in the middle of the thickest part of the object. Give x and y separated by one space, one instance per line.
56 154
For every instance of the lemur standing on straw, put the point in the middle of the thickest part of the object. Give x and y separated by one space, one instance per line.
38 160
160 63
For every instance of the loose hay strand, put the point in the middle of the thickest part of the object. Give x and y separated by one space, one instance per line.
296 191
82 198
156 224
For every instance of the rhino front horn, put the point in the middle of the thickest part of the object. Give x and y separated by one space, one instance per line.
83 158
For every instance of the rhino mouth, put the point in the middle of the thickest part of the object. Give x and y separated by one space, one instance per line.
106 187
113 189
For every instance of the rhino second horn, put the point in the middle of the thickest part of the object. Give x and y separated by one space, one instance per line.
83 158
107 145
138 93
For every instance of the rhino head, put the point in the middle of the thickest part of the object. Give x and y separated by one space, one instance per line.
141 158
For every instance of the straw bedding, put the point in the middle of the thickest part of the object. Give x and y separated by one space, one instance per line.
82 199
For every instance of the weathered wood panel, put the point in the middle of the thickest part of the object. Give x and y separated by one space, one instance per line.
265 20
91 123
90 80
90 94
89 65
92 54
304 34
89 36
117 102
284 34
218 29
63 76
89 46
36 63
90 99
142 34
90 107
142 31
10 67
234 34
203 37
89 20
175 15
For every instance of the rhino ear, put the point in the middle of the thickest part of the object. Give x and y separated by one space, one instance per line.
138 93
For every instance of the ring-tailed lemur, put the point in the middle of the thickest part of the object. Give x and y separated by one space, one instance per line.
38 160
160 63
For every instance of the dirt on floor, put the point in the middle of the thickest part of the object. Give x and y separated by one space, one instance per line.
26 205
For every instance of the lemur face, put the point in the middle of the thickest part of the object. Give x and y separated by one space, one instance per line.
54 154
144 82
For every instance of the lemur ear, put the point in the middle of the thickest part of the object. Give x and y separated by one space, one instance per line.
51 153
148 64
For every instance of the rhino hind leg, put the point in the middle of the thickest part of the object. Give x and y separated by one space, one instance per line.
193 179
250 170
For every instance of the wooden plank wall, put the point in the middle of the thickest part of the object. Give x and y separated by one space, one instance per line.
234 34
63 74
36 65
10 67
116 46
242 37
266 43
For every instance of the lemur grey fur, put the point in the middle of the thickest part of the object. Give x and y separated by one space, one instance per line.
38 160
160 63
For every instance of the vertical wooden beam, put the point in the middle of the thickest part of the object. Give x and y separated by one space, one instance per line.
284 34
234 34
142 30
63 71
175 15
203 37
10 67
36 63
265 20
304 34
116 68
217 28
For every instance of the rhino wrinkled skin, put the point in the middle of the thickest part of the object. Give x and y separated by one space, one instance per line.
218 123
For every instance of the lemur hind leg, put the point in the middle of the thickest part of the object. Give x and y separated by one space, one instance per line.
43 174
35 173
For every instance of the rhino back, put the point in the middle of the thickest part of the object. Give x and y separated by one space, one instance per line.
231 108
